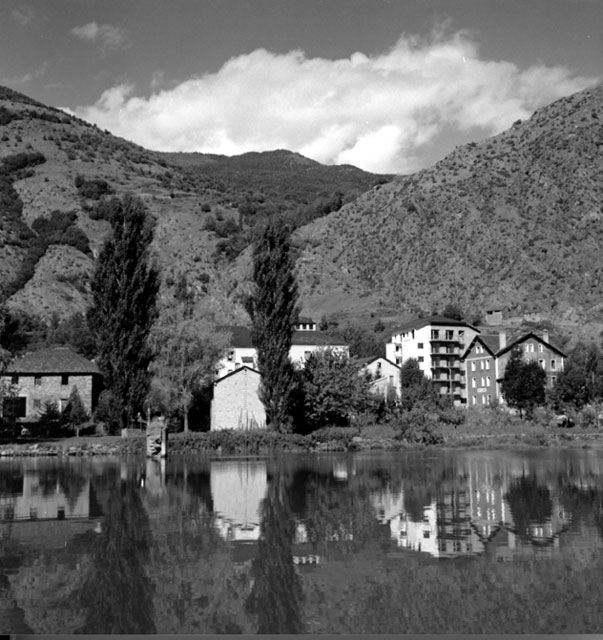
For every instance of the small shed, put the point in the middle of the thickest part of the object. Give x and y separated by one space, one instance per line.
236 403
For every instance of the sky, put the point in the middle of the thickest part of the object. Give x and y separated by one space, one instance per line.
390 86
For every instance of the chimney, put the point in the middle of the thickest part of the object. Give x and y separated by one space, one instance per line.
502 339
545 335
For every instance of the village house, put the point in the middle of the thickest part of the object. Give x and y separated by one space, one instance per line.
236 403
384 375
486 357
49 375
481 374
437 344
535 348
305 340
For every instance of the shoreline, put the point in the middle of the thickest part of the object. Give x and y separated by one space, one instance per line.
207 443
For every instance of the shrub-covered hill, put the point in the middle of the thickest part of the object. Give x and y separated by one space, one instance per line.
56 170
517 218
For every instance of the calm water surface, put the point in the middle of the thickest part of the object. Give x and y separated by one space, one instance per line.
444 542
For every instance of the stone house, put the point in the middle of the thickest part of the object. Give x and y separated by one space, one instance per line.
49 375
236 403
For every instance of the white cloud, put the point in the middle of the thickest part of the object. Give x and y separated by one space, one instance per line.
104 36
23 15
376 112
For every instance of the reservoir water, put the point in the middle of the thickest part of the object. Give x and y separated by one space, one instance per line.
418 542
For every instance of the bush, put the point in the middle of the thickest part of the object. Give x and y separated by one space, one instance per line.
419 426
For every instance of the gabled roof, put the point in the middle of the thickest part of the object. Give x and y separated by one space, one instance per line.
366 361
233 373
305 320
531 336
437 321
52 360
241 338
490 342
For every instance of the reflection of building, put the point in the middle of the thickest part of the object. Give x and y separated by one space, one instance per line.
238 488
38 509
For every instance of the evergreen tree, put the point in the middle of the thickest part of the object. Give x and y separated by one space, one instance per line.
273 308
75 413
523 384
124 290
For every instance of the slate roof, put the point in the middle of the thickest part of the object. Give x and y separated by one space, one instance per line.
52 360
531 336
241 338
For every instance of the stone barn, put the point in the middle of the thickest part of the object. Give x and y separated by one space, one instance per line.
236 403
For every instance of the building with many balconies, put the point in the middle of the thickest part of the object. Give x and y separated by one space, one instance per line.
437 344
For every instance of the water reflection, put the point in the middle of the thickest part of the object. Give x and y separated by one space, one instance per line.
299 543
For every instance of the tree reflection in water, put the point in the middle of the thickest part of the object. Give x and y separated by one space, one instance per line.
277 591
117 594
530 505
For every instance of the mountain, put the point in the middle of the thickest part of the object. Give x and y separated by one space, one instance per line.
56 170
514 220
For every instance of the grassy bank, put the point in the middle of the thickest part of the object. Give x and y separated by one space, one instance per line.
478 429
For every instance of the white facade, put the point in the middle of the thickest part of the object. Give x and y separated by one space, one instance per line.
437 344
385 376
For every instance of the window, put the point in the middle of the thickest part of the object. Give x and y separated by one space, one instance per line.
541 348
64 379
481 365
435 334
529 347
553 379
420 345
488 364
61 513
479 349
449 335
420 358
489 399
483 382
14 379
473 383
483 399
542 364
473 366
37 381
426 534
37 403
474 400
553 365
64 403
488 380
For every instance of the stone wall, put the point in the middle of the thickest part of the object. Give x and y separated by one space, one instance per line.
236 404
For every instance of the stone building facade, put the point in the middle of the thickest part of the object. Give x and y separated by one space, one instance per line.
49 375
236 403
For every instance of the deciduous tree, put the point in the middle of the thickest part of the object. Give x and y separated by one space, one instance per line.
523 384
333 390
124 290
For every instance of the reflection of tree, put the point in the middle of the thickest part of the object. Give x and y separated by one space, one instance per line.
12 618
117 594
277 591
67 477
530 504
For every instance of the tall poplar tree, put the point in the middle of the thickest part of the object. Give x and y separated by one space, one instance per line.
273 308
124 290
